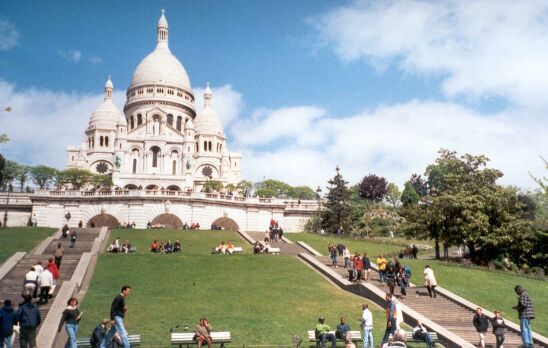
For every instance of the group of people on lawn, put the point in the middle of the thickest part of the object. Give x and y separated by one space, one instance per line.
224 248
274 233
115 247
165 247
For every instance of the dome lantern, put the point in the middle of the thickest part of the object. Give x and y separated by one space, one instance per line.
162 29
108 88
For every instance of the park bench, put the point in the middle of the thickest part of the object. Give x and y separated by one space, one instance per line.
179 339
272 250
134 341
355 335
409 337
237 250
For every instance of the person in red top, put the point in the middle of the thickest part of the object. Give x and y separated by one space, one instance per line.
52 267
154 247
358 266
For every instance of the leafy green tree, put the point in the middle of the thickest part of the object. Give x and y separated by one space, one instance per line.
230 188
302 192
75 178
245 187
2 168
373 187
101 181
272 188
22 173
8 173
337 210
43 176
213 185
393 194
409 195
419 184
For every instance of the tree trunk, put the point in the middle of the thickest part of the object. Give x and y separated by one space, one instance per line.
472 249
437 247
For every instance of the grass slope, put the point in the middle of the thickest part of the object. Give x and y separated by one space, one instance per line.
492 290
14 239
261 299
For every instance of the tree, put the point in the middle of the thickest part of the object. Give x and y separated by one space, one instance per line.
22 175
213 186
302 192
409 195
43 176
543 181
272 188
75 178
2 168
230 188
373 187
393 194
8 173
337 208
245 187
101 181
419 184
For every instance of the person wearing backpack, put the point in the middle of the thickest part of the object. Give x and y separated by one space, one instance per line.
8 319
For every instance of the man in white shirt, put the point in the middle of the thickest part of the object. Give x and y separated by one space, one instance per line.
46 282
367 325
31 282
38 268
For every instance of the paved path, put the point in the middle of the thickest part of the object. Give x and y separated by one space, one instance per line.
441 309
11 285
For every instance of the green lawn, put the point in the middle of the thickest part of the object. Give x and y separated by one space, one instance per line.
261 299
492 290
14 239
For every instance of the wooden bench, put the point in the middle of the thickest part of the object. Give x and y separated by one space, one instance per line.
356 336
237 250
272 250
409 337
134 341
178 339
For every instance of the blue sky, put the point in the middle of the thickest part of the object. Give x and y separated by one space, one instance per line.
301 86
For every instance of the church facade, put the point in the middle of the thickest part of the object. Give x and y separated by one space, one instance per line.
158 141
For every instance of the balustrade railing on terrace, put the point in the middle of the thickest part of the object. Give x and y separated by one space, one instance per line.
305 205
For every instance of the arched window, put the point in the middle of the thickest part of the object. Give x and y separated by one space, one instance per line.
139 119
106 141
92 142
101 140
174 168
134 166
205 146
210 146
155 151
179 121
170 120
197 146
131 122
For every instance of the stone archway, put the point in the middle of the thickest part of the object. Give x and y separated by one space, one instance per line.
103 220
168 221
227 223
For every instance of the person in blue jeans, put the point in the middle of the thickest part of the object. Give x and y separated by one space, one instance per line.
420 333
322 333
367 325
526 313
118 311
71 317
391 315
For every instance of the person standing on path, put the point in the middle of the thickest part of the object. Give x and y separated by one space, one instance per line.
499 329
46 282
73 236
366 266
58 254
28 316
430 281
526 312
367 325
381 262
118 311
7 320
391 315
52 267
333 255
71 318
481 323
346 256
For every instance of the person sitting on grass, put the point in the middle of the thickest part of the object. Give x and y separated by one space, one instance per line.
169 247
230 247
203 333
154 247
323 334
126 247
257 247
343 330
161 247
177 246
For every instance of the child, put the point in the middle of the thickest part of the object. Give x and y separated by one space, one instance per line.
499 329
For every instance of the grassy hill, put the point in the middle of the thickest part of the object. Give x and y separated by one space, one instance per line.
13 239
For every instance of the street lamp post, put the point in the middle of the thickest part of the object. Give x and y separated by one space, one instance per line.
5 224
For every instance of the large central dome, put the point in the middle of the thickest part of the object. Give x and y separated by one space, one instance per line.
161 66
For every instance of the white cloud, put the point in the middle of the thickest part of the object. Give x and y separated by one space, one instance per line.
226 102
72 56
392 141
481 48
43 123
9 36
95 60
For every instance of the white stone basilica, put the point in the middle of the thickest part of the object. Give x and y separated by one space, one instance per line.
159 141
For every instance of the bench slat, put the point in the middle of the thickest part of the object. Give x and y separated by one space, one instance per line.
134 340
180 338
355 335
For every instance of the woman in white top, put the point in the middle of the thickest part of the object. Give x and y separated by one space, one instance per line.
430 281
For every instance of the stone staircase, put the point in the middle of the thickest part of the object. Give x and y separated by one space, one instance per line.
11 286
441 310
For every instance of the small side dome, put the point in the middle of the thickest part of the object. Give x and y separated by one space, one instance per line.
107 116
207 121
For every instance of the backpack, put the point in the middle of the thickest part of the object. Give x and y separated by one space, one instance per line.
407 271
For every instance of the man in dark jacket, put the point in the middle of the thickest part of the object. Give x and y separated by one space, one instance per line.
481 323
28 316
7 320
99 334
526 313
366 266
